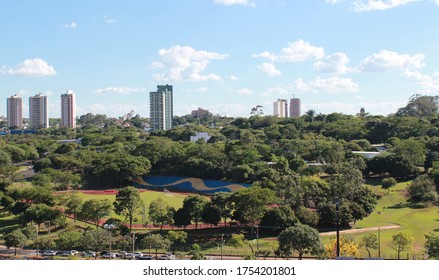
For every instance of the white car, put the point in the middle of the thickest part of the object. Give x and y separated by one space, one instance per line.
167 257
49 253
107 256
138 254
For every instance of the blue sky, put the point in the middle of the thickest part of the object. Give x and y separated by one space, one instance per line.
226 56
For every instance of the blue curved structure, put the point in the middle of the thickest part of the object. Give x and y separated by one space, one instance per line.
187 185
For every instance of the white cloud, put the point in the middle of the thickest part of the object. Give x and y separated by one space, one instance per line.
112 110
184 63
300 51
234 78
269 69
372 5
333 1
374 108
244 91
109 20
331 85
235 2
70 25
119 90
429 84
335 63
437 2
276 91
295 52
31 67
386 60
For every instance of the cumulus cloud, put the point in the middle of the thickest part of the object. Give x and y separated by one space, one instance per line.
335 63
372 5
233 78
31 67
269 69
276 91
429 84
235 2
183 63
333 1
244 91
119 90
112 110
388 60
295 52
70 25
331 85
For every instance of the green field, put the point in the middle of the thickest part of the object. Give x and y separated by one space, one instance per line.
173 199
393 209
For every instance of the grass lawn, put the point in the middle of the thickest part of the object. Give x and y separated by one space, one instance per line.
393 209
173 199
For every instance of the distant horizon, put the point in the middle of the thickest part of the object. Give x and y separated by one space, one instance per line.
226 56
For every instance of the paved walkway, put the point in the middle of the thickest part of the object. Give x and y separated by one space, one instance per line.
359 230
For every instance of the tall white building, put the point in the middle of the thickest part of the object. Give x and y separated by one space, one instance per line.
280 108
38 111
15 111
161 108
295 108
68 109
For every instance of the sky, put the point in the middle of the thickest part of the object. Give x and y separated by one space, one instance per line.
226 56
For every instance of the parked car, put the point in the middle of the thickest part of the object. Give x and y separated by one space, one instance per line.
69 253
146 257
49 253
167 257
138 254
107 255
128 256
88 254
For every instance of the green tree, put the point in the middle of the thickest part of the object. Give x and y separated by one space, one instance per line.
387 183
400 242
302 239
422 189
194 205
223 202
369 241
211 214
43 243
73 205
178 238
420 105
160 213
182 218
432 246
196 252
155 242
278 218
307 216
250 204
39 213
94 210
96 240
128 203
69 240
15 239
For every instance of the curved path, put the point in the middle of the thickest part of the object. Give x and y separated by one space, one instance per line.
359 230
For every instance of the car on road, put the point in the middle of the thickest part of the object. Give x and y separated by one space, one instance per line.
138 254
146 257
167 257
108 255
49 253
88 254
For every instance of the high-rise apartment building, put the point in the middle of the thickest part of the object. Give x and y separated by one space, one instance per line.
68 109
295 108
15 111
38 111
161 108
280 108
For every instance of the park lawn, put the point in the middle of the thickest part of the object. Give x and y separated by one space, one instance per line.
173 199
8 222
393 209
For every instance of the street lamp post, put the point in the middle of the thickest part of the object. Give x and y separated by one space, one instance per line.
337 217
134 240
257 242
109 227
222 244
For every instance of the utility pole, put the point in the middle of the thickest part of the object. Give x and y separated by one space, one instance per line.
134 240
337 217
257 242
222 244
379 242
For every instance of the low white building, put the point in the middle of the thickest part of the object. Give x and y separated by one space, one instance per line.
200 135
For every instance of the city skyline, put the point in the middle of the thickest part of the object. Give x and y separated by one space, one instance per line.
224 56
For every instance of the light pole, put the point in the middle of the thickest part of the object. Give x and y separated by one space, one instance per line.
222 244
134 240
257 242
109 227
337 218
